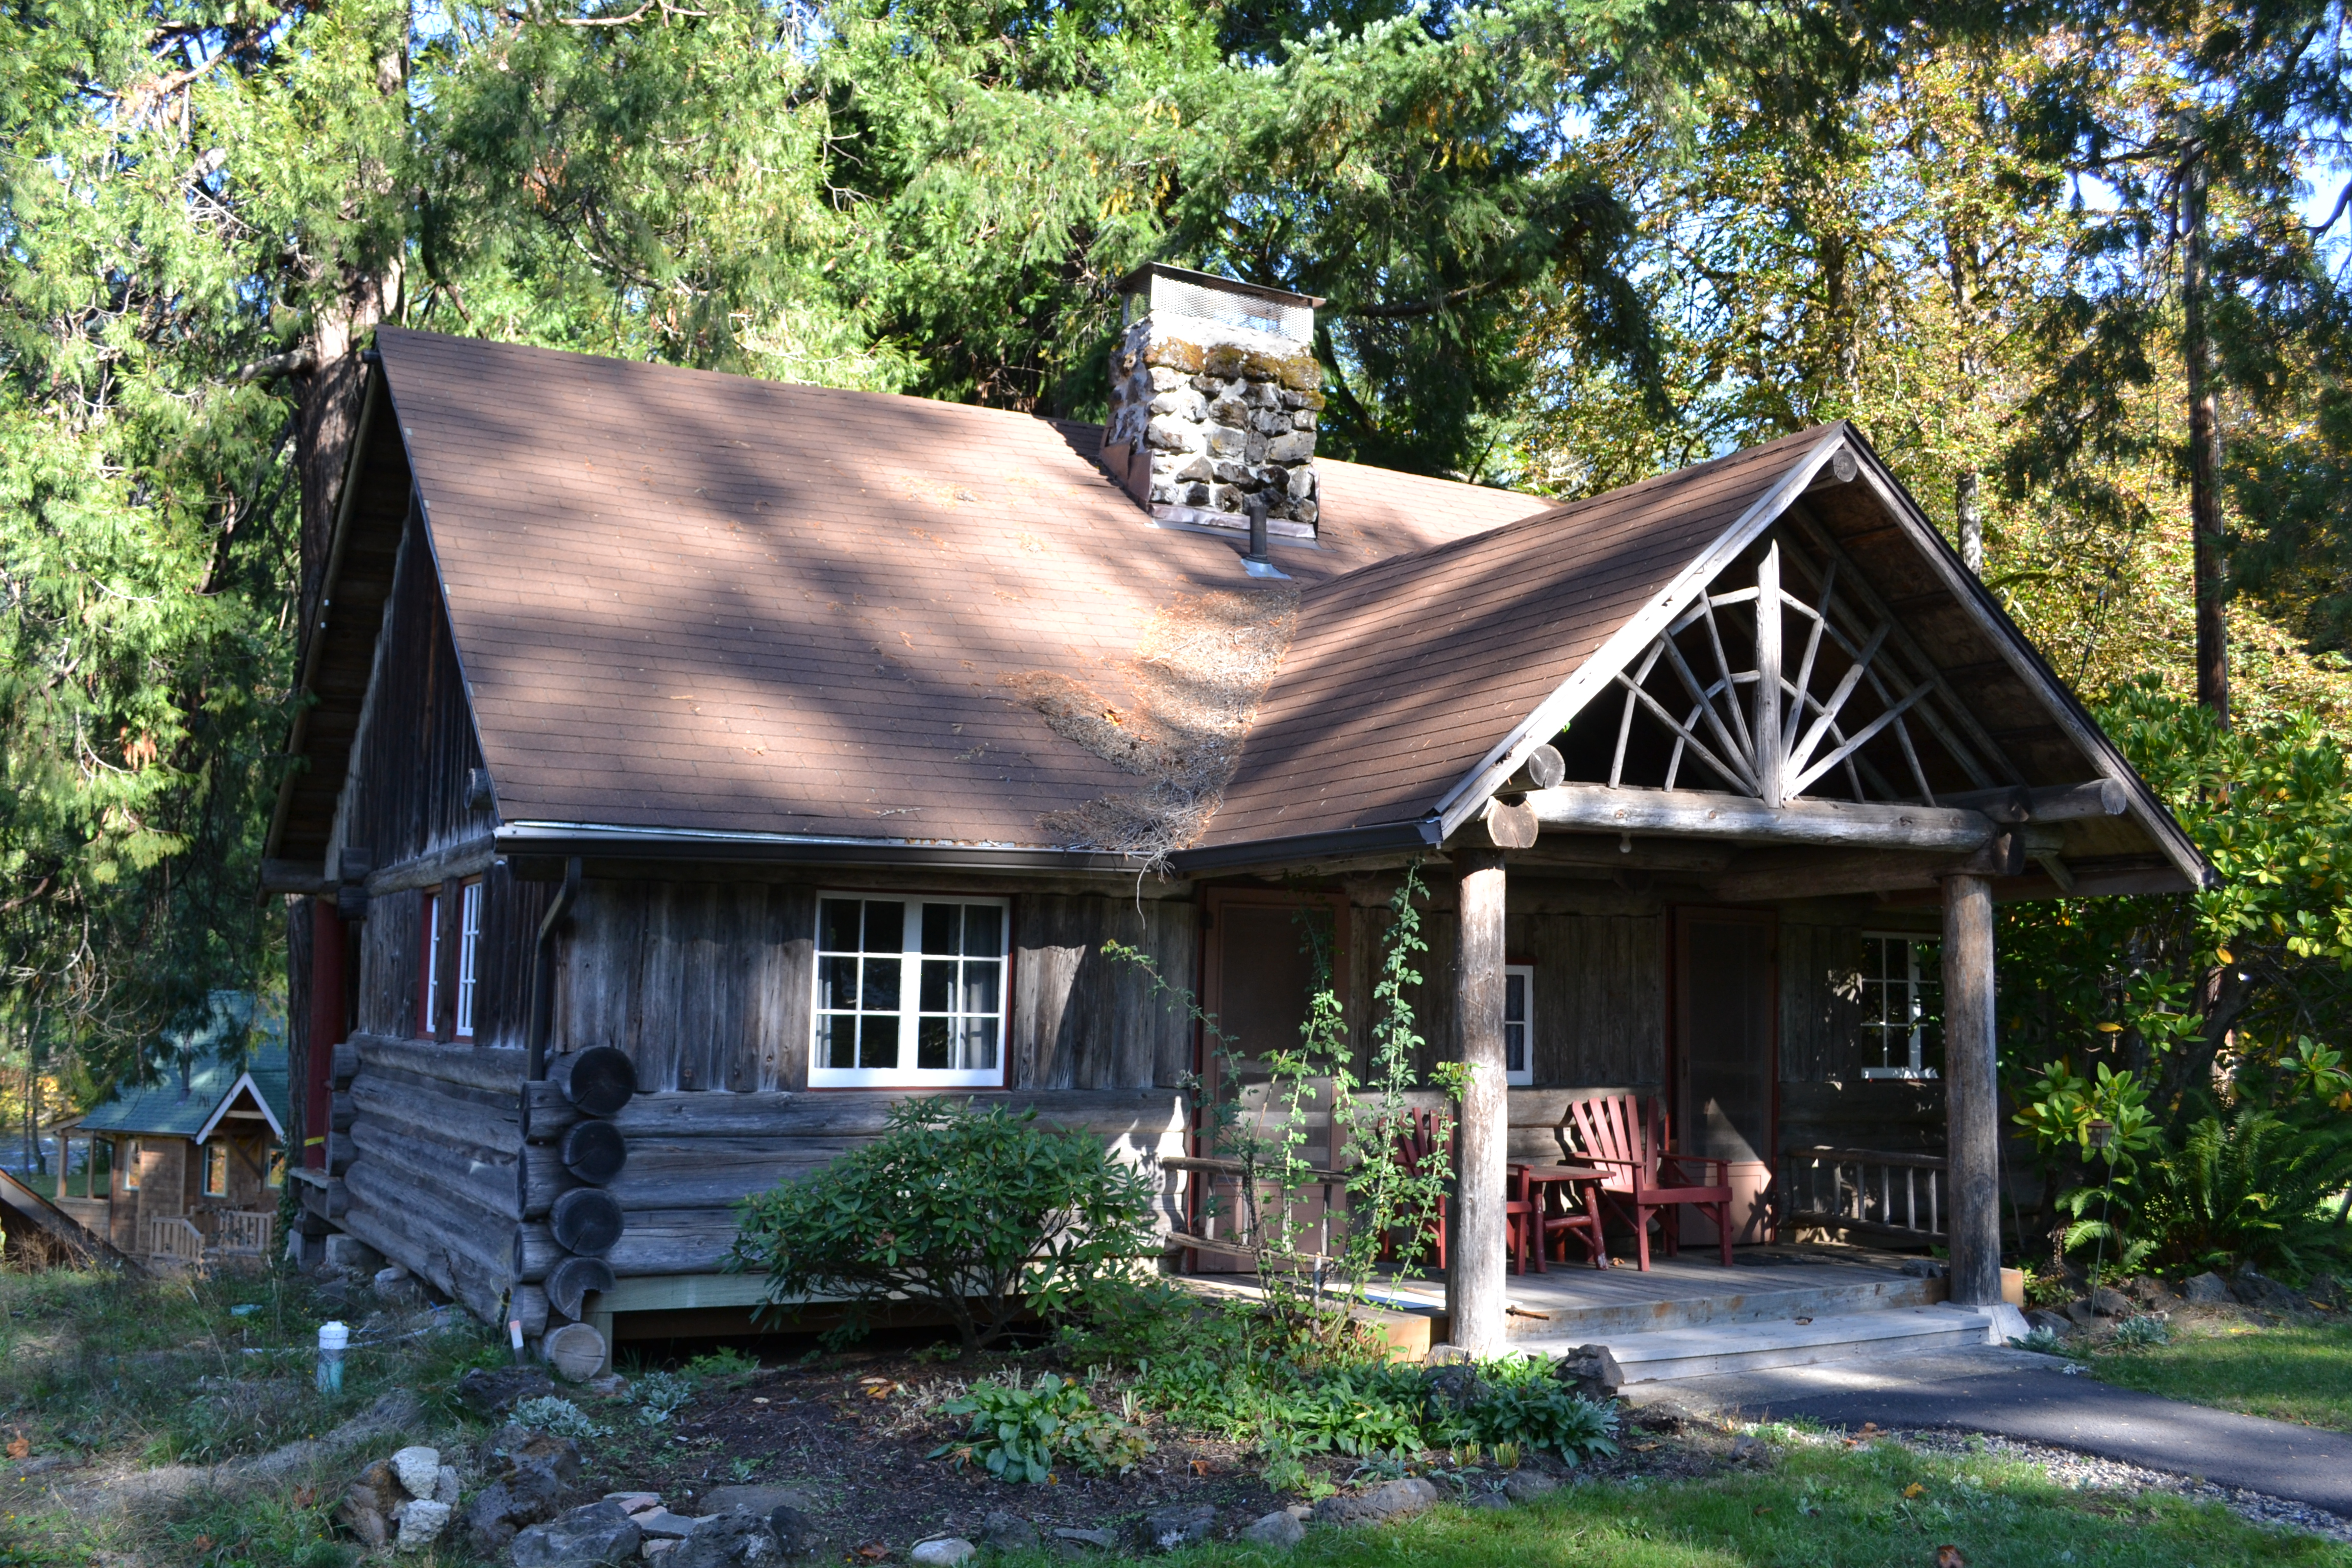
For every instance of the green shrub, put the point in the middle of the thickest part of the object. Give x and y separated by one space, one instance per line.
2245 1193
2139 1333
1535 1411
976 1213
1019 1433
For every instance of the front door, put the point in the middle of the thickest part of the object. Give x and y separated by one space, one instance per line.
1726 1056
1258 973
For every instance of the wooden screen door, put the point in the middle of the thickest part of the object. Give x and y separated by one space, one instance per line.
1726 1057
1256 976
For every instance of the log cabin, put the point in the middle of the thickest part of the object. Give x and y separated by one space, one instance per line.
801 748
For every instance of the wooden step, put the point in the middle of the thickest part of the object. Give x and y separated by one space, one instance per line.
1669 1355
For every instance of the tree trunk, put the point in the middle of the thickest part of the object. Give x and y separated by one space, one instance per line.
2204 449
365 290
1967 506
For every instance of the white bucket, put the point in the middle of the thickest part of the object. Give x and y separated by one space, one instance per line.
333 1338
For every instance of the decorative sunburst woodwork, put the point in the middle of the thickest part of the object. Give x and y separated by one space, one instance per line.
1791 677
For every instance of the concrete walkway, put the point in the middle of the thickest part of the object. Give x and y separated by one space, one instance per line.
2019 1394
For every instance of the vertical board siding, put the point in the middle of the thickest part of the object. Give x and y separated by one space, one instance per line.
419 745
1081 1019
512 910
1821 999
707 986
389 940
1600 997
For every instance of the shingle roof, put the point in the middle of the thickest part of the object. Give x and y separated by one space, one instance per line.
166 1109
1400 677
690 600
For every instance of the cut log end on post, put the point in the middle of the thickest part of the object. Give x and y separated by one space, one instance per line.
569 1281
600 1080
594 1152
586 1222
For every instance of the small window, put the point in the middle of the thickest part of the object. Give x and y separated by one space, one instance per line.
909 990
216 1169
1902 1006
1519 1022
131 1165
428 996
469 930
277 1175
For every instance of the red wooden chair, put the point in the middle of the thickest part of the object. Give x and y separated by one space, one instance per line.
1425 1142
1630 1141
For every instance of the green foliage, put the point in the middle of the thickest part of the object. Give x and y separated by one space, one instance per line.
553 1413
2249 1192
1388 1197
980 1213
2139 1333
1018 1433
1525 1407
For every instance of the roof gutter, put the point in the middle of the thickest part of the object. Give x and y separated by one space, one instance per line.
1389 838
607 841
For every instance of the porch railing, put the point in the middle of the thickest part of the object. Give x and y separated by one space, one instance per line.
241 1233
174 1238
1871 1192
1204 1200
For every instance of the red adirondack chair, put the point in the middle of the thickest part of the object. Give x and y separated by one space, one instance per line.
1425 1142
1631 1141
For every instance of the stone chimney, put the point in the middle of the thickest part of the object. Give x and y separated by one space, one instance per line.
1214 390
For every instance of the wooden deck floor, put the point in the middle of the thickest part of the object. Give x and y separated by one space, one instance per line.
1763 1283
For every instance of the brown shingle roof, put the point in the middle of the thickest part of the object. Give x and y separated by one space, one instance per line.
698 601
1402 676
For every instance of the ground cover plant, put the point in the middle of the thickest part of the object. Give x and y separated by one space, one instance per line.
113 1380
2294 1371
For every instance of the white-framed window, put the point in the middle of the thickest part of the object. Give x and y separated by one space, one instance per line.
131 1165
469 931
276 1178
216 1169
909 991
428 987
1902 1005
1518 1022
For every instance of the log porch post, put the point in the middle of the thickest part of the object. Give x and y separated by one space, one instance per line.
1971 1092
1474 1278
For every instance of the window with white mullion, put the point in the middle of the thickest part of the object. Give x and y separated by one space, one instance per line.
469 931
1518 1022
910 992
1902 1015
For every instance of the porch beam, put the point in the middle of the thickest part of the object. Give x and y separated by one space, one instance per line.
1701 814
1474 1288
2049 803
1971 1092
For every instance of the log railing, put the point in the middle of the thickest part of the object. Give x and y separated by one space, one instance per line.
245 1234
174 1238
1205 1197
1870 1191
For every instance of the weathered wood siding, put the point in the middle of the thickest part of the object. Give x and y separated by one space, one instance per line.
417 742
707 986
1083 1020
1824 1098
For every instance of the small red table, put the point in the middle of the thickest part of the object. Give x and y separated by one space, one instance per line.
1536 1183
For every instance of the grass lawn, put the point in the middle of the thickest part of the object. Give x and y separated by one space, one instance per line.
2300 1374
1822 1507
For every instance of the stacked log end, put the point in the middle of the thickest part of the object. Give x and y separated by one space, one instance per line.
570 1221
